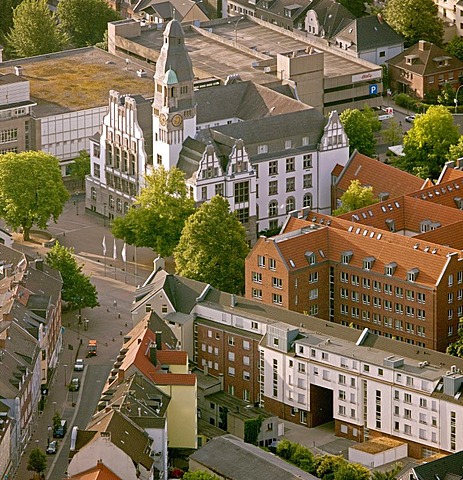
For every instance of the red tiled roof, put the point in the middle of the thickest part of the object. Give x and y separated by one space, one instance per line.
449 174
383 178
172 357
188 379
99 472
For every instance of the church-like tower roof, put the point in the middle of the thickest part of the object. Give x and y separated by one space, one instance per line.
174 55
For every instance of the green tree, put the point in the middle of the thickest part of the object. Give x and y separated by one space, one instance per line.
78 291
213 247
352 471
6 17
159 213
35 30
199 475
302 457
388 474
455 47
456 348
355 197
372 118
415 20
328 465
285 449
81 168
456 151
32 190
359 130
85 21
37 462
393 133
427 143
356 7
446 95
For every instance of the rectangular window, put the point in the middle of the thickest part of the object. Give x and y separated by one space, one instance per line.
344 277
307 180
257 293
241 192
257 277
307 161
277 299
273 187
291 184
313 277
9 135
313 294
273 168
277 282
261 261
290 162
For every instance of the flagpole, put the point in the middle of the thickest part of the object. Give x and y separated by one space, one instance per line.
135 267
104 253
104 264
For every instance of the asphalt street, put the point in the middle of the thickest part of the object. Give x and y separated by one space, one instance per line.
116 281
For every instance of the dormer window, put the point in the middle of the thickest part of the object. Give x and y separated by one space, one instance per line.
346 257
390 268
425 226
390 224
368 263
458 202
413 274
310 257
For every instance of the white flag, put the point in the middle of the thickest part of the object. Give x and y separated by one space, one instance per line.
124 252
114 250
104 246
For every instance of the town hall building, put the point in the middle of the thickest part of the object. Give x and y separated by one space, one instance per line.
265 151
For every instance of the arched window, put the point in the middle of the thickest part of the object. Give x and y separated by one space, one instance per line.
307 201
290 204
273 208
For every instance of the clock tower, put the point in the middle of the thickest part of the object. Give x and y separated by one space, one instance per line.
174 109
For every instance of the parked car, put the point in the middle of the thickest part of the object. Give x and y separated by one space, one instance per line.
74 386
79 365
52 447
410 118
60 429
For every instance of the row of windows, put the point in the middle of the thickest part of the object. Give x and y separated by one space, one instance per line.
387 288
290 205
231 340
290 184
9 135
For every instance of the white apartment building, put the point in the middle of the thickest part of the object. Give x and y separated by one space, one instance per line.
310 371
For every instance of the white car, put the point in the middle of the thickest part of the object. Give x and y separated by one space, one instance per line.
79 365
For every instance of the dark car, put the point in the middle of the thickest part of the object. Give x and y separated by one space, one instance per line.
60 429
74 386
52 447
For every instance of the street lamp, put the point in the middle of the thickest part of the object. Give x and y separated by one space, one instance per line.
104 214
236 27
65 374
456 98
54 408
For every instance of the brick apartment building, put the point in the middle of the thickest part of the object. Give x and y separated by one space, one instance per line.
310 371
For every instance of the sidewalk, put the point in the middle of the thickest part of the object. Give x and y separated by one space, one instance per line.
107 323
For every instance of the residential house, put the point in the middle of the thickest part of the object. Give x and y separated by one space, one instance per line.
369 38
423 69
161 11
448 467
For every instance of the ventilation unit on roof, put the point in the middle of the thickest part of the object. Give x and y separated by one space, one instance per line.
267 69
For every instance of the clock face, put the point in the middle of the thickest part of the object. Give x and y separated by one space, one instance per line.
177 120
162 119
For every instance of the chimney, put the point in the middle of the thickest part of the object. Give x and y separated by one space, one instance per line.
159 340
159 263
423 45
153 356
221 382
18 70
233 301
39 264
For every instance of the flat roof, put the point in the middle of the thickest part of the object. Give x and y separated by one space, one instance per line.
210 57
78 79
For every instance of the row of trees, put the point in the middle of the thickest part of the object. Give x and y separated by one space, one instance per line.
329 467
76 23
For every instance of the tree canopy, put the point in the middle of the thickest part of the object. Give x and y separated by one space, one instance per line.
456 151
427 143
6 17
455 47
393 132
159 213
456 348
78 291
213 247
37 461
356 7
359 129
35 30
356 196
415 20
199 475
85 21
32 190
81 168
